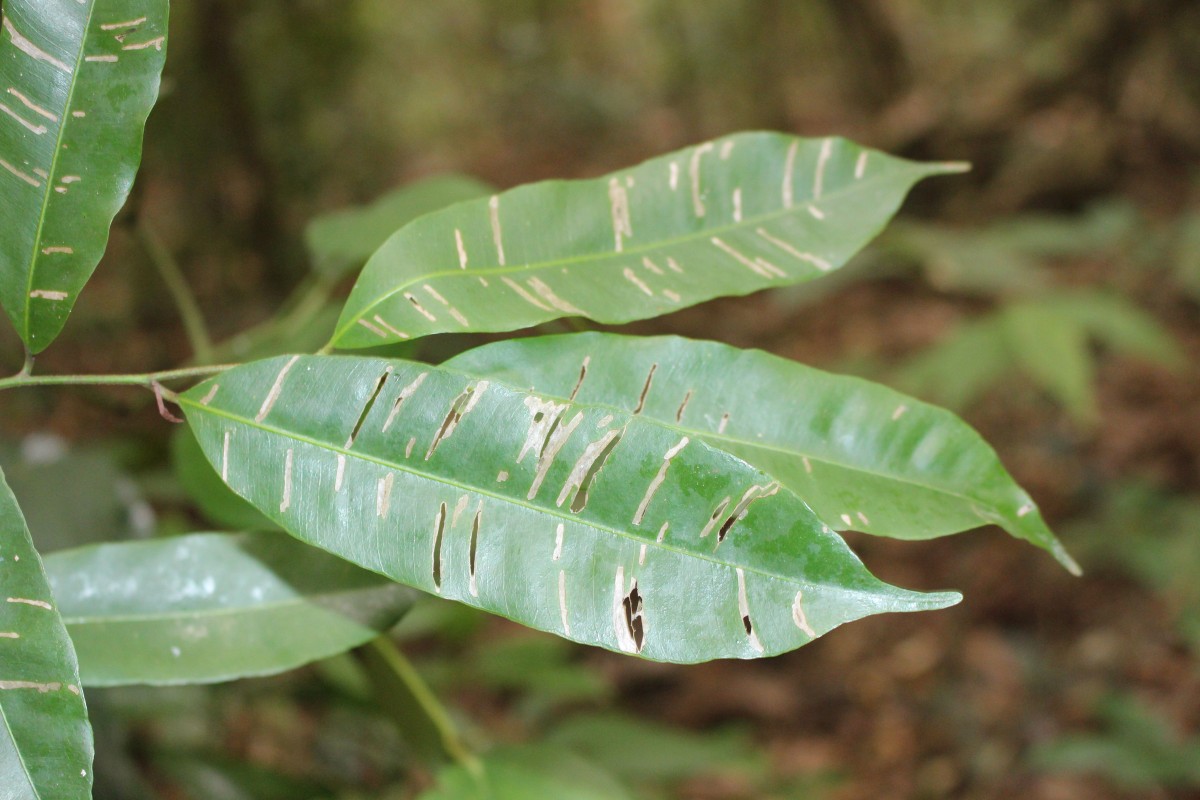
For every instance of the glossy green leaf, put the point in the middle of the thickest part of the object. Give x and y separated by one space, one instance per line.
206 489
728 217
606 527
524 773
214 607
77 81
861 455
45 738
343 240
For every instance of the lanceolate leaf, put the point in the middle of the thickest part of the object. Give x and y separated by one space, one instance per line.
583 520
77 80
213 607
45 738
728 217
861 455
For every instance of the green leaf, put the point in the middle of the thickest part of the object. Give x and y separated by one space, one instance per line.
1048 339
521 773
861 455
617 532
1120 324
45 738
729 217
207 490
643 750
543 669
344 240
213 607
960 368
1054 350
78 79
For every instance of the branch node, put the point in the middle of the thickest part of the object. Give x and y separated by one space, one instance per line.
163 411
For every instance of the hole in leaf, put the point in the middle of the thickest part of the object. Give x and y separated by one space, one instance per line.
453 416
752 494
679 412
437 547
582 374
550 433
474 539
581 495
367 408
633 616
645 389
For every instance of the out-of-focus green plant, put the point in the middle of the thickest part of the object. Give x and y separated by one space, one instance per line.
1150 534
1135 747
1049 340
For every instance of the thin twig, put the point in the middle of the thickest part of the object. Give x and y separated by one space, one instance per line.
144 379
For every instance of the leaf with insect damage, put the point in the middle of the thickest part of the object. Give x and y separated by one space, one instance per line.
343 240
728 217
863 456
77 81
213 607
606 527
45 738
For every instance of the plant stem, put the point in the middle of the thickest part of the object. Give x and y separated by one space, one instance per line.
144 379
181 293
414 705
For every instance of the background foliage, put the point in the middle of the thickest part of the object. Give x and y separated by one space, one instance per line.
1083 123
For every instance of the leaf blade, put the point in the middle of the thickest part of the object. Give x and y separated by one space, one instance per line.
728 217
79 80
435 494
343 240
861 455
45 738
213 607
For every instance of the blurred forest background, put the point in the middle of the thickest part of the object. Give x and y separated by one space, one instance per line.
1052 296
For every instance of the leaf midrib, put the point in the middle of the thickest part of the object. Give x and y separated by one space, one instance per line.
505 499
924 169
53 171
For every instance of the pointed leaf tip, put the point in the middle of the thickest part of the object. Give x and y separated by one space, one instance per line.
861 455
